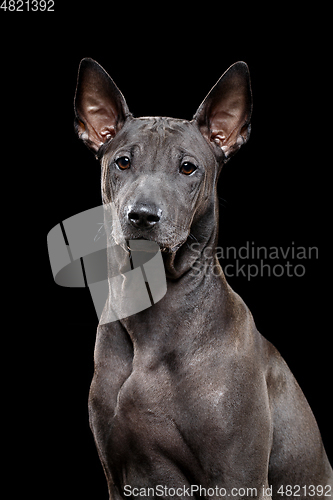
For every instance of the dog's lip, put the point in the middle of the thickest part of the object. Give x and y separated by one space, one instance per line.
163 247
136 239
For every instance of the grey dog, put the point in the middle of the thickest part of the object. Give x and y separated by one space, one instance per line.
187 398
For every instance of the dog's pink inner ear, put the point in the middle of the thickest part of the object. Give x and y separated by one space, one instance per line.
226 124
218 137
108 132
100 107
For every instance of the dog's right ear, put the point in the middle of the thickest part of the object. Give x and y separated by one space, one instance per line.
100 107
224 115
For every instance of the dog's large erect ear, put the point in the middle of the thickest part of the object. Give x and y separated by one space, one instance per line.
100 107
224 115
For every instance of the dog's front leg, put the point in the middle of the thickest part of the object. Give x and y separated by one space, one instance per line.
113 365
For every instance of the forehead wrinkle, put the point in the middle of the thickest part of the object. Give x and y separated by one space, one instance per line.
155 131
161 139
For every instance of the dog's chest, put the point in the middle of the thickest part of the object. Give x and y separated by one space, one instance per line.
144 436
147 409
162 420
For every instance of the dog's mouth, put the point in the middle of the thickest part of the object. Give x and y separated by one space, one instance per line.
172 254
169 241
167 249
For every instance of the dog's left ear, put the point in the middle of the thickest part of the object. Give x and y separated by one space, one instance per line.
100 107
224 115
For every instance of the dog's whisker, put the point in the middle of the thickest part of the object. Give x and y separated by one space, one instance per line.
222 201
192 237
100 232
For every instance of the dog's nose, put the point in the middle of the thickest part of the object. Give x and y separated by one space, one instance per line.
144 216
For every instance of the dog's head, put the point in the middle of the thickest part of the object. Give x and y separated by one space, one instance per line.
161 173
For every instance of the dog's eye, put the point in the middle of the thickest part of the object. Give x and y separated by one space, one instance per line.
187 168
123 162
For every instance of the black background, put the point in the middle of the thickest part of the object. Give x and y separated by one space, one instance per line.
271 193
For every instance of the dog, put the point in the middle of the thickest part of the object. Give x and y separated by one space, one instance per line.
187 397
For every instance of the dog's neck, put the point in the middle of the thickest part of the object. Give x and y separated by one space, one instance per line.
197 252
194 277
